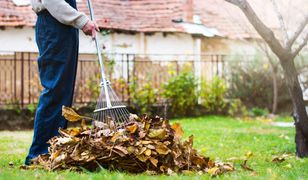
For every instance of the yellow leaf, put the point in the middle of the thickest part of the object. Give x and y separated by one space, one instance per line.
154 161
148 152
162 149
74 131
115 137
248 154
70 115
132 129
55 155
213 171
131 149
142 157
145 142
142 150
146 126
178 131
157 133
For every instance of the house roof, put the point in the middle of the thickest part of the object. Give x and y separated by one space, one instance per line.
129 15
14 16
159 16
124 15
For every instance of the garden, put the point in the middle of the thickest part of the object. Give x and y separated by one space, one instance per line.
229 125
269 151
201 114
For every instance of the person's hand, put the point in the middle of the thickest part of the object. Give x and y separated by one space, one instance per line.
90 29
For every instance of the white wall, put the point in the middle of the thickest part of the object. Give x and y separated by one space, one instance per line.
23 39
17 39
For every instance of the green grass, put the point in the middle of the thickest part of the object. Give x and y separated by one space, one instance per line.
220 138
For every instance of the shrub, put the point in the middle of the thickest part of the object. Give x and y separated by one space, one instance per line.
237 109
180 92
143 97
256 112
252 83
213 95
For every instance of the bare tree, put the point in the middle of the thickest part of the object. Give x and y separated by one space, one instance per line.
286 53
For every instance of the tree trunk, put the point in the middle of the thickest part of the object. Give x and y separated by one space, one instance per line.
299 111
274 78
275 91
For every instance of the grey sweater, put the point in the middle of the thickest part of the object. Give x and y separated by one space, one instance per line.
62 11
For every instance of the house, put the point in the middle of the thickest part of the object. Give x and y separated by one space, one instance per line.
156 26
137 27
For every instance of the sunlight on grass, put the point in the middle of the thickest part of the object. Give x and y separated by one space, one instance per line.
221 138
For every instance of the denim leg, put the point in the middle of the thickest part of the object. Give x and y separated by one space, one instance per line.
57 64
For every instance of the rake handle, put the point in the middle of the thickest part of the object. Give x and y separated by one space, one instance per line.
100 58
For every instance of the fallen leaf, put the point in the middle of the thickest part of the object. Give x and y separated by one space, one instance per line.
213 171
245 166
70 115
280 158
154 161
157 133
178 130
132 128
148 152
162 149
55 155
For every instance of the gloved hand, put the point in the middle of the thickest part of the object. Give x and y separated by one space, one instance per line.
90 29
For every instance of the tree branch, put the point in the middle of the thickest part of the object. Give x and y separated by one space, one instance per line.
266 33
301 46
299 30
281 22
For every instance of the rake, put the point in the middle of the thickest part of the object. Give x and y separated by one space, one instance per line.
109 108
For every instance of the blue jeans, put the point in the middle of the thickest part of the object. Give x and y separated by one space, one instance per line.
57 64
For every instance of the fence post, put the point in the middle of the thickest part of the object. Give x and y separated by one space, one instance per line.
22 80
29 78
128 78
217 64
15 73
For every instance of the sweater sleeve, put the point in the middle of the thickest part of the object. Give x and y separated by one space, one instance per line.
65 14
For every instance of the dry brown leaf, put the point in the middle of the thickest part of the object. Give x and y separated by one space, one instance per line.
148 152
245 166
115 137
70 115
131 149
132 128
74 131
280 158
142 157
154 161
157 133
162 149
55 155
178 130
122 149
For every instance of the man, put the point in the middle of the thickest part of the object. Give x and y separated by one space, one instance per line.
56 32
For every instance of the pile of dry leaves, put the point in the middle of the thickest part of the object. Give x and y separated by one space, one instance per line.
146 144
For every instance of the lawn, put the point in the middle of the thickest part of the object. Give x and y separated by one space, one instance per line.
221 138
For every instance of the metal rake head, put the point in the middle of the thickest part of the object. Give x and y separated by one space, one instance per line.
109 108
